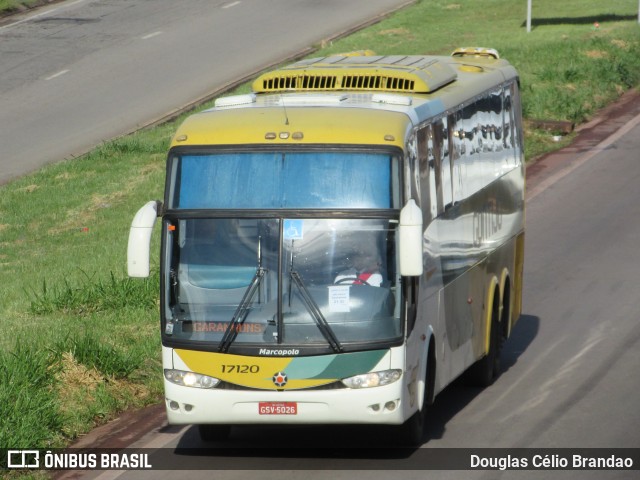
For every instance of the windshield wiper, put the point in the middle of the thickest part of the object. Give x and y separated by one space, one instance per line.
240 315
174 303
314 310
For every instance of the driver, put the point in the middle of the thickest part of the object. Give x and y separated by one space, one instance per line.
364 270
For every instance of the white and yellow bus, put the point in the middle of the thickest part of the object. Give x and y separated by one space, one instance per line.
341 244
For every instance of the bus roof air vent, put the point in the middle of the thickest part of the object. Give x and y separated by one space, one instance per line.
397 74
478 52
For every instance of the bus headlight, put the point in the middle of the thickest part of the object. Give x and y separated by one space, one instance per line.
373 379
190 379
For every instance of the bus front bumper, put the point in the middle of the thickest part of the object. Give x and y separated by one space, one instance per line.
378 405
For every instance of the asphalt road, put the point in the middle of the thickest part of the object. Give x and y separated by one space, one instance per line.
569 370
84 71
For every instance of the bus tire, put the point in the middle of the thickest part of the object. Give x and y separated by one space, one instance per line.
214 433
484 372
412 431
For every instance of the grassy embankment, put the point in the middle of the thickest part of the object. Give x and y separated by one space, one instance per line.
81 340
8 7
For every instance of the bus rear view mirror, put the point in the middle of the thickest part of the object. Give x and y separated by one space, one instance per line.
140 240
410 240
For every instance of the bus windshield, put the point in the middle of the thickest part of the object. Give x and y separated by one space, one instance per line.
281 281
284 180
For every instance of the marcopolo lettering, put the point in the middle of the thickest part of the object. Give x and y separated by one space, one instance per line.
269 352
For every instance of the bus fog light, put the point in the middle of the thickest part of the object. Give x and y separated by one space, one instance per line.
187 407
375 407
173 405
373 379
190 379
391 406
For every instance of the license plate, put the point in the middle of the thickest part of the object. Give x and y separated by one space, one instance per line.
278 408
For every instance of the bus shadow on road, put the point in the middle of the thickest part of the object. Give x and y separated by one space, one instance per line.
296 447
254 444
459 395
523 334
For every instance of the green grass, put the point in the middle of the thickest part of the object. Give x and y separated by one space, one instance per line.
569 69
63 237
27 377
10 6
95 295
82 341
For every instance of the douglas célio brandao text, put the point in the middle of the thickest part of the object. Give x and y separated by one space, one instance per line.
550 462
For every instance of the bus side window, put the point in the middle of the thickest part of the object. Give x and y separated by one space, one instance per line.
459 152
494 125
510 140
427 177
440 166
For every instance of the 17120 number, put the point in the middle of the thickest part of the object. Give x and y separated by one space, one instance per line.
240 368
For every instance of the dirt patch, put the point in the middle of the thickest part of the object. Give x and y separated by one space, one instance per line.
620 44
30 188
596 54
394 32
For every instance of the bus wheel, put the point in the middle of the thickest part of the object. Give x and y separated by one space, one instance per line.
486 370
214 433
411 432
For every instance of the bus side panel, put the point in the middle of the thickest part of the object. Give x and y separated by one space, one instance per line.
518 276
469 248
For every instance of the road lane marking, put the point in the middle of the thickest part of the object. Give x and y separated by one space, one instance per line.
232 4
56 75
151 35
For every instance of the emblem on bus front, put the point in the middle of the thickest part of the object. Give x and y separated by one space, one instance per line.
280 379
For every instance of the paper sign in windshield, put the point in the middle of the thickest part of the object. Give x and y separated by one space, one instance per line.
339 298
